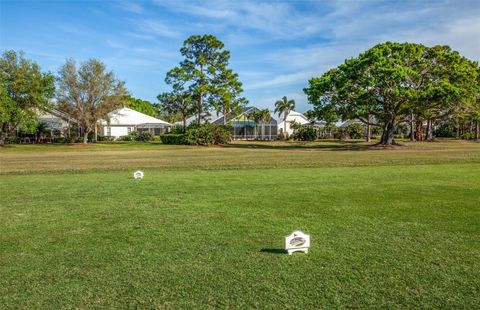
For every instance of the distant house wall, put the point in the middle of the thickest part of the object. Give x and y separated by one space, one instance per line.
117 131
294 116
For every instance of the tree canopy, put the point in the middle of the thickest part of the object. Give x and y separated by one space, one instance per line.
204 73
24 90
392 81
284 106
89 93
142 106
175 104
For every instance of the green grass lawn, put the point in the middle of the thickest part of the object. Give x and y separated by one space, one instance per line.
391 228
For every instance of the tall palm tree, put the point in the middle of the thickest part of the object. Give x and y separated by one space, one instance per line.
264 118
255 116
284 106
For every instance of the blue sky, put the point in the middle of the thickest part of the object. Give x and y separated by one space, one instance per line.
276 46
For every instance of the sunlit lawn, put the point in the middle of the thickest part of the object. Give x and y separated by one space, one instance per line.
396 227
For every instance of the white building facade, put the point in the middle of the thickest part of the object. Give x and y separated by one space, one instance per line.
292 117
124 121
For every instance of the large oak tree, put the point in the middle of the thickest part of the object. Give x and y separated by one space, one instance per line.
393 80
88 93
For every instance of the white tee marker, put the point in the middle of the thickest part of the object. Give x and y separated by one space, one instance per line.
297 242
138 174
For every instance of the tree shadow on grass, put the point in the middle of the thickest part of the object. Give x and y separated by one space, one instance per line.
274 251
341 146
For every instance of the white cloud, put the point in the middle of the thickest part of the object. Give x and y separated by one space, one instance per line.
158 28
130 6
281 80
275 19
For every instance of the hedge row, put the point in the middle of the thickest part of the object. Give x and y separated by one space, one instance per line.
173 138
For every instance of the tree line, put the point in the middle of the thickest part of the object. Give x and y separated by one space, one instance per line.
400 83
386 86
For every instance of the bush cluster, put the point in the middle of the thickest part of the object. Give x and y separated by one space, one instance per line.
306 133
173 138
136 136
208 134
355 131
468 136
445 130
11 140
106 138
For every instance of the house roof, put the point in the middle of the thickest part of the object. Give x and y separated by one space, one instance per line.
126 116
297 117
213 116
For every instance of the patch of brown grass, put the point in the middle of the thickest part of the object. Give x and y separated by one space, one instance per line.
238 155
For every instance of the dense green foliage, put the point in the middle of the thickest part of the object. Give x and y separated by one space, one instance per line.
140 136
394 83
204 74
203 229
24 90
172 138
208 134
177 105
305 133
143 106
355 130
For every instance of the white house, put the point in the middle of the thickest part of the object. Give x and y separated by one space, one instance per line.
293 116
123 121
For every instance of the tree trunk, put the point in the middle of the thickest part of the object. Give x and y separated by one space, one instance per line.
388 133
184 122
85 137
428 130
369 130
199 109
477 129
200 100
412 128
419 130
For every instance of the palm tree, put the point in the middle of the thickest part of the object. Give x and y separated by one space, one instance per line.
255 116
264 118
284 106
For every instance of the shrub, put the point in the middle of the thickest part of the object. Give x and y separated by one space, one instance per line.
222 134
200 135
142 136
125 138
281 136
11 140
445 130
60 140
208 134
106 138
306 133
337 134
355 131
136 136
468 136
172 138
178 129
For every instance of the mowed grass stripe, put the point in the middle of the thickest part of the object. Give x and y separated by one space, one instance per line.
240 155
403 236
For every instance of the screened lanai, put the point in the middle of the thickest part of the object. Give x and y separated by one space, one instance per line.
244 128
